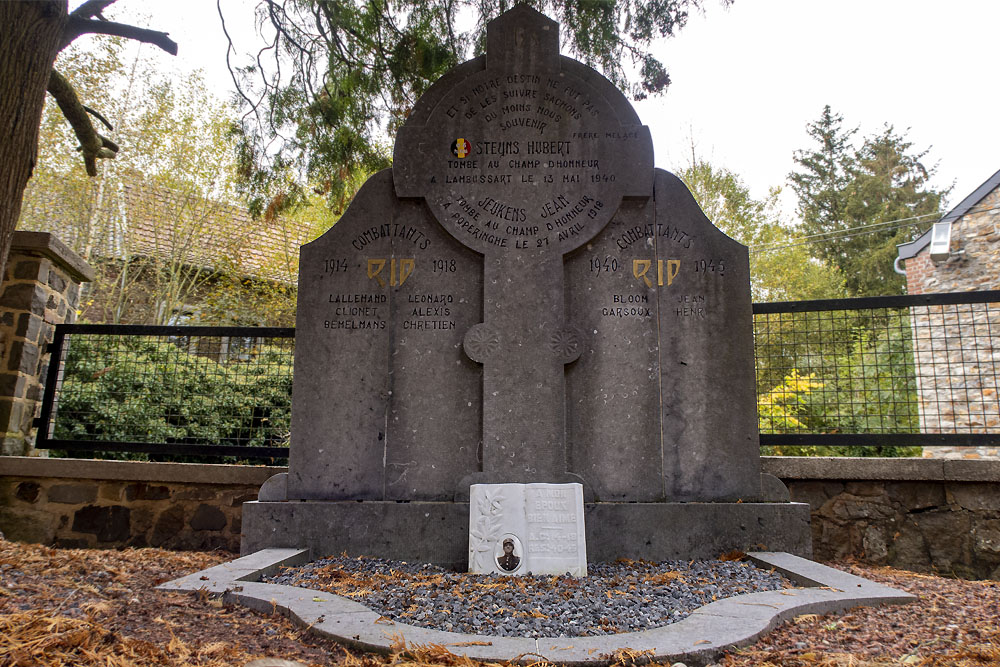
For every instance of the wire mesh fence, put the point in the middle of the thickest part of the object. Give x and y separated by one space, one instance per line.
877 376
889 372
152 392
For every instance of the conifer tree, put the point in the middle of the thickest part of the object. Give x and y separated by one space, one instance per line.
857 203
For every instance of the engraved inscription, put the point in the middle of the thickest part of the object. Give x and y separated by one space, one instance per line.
552 522
640 233
690 305
545 140
429 312
357 312
628 305
387 230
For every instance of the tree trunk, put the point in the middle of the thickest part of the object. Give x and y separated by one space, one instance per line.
30 41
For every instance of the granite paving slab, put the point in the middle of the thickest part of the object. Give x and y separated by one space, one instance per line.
698 639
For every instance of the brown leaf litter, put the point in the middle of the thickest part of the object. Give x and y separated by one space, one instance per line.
82 607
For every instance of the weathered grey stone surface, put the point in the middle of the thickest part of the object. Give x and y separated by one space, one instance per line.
521 299
274 489
436 532
664 297
700 637
386 405
448 334
614 388
711 448
522 160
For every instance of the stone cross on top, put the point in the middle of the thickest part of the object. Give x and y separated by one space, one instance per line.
523 161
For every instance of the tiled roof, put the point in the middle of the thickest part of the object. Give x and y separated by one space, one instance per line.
141 219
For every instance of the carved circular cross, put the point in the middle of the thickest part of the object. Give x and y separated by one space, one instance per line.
524 154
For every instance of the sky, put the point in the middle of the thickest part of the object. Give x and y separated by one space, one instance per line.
748 79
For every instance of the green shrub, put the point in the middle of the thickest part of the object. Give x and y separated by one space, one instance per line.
155 390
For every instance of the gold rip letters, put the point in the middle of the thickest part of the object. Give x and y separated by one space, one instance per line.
641 267
399 270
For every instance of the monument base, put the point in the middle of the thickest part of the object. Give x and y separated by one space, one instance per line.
437 532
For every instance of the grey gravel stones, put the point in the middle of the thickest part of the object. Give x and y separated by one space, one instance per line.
623 596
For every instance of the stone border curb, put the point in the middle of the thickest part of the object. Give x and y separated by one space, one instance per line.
699 638
784 467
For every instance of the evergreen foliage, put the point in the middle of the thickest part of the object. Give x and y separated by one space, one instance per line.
859 203
323 100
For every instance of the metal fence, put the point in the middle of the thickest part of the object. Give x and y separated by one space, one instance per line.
875 372
169 391
900 371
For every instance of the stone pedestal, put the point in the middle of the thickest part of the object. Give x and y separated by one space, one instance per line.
436 532
41 288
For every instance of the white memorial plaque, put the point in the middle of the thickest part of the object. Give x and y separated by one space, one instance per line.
516 529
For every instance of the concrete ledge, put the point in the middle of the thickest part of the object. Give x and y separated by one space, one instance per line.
249 568
50 246
903 470
971 471
782 467
136 471
699 638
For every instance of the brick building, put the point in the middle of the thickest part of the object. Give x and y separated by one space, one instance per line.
957 347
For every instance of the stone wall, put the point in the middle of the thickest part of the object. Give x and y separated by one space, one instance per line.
957 355
917 514
40 289
957 358
82 503
975 248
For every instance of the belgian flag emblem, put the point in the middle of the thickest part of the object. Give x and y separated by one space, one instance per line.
460 148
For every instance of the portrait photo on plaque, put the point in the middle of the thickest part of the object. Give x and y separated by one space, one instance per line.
508 554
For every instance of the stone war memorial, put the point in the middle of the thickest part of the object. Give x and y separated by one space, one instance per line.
524 299
522 349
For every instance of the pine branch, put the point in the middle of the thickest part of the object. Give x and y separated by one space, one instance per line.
79 26
92 144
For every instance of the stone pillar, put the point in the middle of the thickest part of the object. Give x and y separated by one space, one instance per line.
41 288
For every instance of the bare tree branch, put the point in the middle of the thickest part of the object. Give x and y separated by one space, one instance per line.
92 144
91 8
229 50
78 26
98 116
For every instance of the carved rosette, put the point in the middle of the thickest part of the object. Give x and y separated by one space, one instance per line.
567 344
480 342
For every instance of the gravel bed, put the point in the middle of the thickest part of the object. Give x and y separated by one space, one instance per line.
623 596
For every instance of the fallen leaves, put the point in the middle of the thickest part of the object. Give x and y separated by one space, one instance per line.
954 623
90 608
